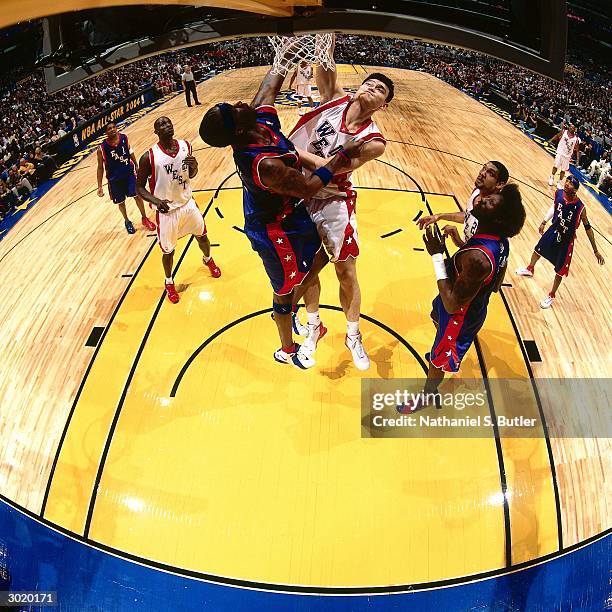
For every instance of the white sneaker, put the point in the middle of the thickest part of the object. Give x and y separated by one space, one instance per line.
547 302
360 357
315 333
300 359
524 272
559 185
551 181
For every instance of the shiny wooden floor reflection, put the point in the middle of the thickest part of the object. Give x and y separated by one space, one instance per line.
268 482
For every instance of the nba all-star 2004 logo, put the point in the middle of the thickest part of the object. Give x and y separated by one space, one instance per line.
288 97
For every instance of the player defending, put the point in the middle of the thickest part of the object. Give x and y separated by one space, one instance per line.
338 120
567 147
303 74
492 178
275 219
557 242
169 166
116 158
466 282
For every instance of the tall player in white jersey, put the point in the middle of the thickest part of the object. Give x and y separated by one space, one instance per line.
303 76
567 147
491 179
168 168
318 135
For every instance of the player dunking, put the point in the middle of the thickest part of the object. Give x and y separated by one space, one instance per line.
303 76
492 178
476 270
275 219
557 242
168 167
339 119
118 160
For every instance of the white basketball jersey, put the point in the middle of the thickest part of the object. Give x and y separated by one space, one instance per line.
567 144
323 132
304 74
170 175
470 225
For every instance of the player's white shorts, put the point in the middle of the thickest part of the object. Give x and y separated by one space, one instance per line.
305 91
179 222
562 162
337 225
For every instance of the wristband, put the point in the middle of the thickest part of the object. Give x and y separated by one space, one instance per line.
439 266
324 174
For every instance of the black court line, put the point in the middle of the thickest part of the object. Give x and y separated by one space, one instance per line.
418 216
498 447
500 454
506 284
127 275
219 212
296 589
212 244
551 458
151 235
257 313
238 229
94 336
417 249
397 231
82 385
109 437
532 351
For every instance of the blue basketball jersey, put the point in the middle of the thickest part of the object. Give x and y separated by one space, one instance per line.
557 243
457 331
566 217
117 159
261 206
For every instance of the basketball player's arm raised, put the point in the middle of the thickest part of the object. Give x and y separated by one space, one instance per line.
100 173
144 172
591 234
475 268
426 221
327 80
282 179
268 90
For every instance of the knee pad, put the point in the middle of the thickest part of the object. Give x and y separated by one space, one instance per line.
282 309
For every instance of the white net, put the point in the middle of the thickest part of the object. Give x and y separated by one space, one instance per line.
289 51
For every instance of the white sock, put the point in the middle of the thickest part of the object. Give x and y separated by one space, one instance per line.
352 328
207 259
313 318
170 281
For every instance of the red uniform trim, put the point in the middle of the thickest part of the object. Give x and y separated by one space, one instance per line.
152 179
374 136
271 109
284 250
448 343
255 166
178 148
488 254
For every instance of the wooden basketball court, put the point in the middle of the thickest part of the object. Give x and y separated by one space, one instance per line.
177 439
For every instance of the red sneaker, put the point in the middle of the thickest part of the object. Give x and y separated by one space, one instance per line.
149 224
215 271
173 296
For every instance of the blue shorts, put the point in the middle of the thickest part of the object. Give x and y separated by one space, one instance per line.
122 188
559 253
456 333
287 249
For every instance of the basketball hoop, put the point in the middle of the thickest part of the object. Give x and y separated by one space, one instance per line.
289 51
